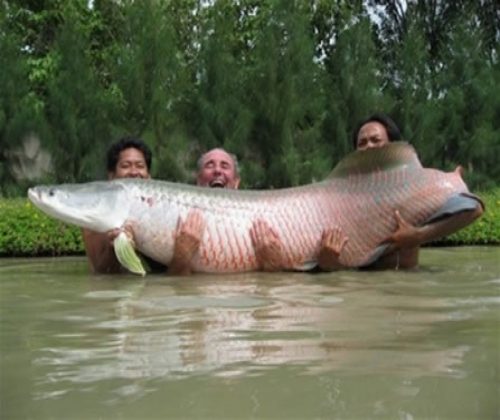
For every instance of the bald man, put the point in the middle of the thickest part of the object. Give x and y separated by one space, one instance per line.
219 169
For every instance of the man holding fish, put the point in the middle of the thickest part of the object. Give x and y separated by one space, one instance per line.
132 158
127 158
376 131
280 229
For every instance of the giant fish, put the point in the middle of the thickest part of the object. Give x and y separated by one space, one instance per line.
360 196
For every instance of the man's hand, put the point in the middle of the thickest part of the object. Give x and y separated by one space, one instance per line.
406 235
187 242
267 246
332 243
127 228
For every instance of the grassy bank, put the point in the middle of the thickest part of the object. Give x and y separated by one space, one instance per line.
26 231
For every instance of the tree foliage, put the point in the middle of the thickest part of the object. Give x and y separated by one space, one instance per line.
279 83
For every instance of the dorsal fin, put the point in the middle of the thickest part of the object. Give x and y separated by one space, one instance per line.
382 158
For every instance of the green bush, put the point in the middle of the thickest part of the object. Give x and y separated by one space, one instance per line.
26 231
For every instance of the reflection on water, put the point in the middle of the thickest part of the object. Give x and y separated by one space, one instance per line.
78 331
237 326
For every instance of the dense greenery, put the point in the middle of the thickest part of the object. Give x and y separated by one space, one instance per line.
26 231
281 83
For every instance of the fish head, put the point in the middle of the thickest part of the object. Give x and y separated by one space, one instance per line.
99 206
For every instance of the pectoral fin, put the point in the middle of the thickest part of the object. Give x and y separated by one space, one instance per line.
126 254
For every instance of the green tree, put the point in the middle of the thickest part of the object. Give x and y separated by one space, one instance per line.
287 99
77 105
221 115
416 98
442 67
280 83
355 84
21 111
470 105
147 68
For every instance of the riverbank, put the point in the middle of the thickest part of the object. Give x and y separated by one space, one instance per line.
26 231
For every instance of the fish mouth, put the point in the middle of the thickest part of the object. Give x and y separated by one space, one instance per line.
32 195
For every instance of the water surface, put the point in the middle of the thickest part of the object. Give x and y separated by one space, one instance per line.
350 344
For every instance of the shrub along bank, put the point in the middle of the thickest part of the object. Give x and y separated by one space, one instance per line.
26 231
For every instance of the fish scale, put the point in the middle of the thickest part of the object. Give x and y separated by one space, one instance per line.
360 196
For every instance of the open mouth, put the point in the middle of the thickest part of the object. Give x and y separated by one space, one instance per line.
217 183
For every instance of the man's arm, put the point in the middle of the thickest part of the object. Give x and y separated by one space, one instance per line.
408 236
405 241
100 252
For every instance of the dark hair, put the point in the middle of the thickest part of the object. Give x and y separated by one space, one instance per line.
392 129
126 143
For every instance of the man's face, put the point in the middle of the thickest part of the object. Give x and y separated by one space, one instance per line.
131 164
372 135
217 170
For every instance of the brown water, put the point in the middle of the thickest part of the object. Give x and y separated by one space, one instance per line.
389 345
